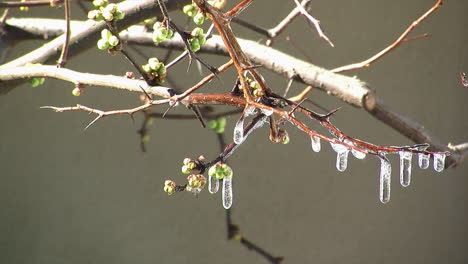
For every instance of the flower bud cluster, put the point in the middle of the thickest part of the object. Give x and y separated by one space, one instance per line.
196 181
197 40
189 165
169 187
161 32
107 41
255 87
220 170
218 125
105 11
155 69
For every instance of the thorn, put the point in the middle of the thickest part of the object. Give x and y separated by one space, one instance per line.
171 105
94 121
331 113
198 114
146 94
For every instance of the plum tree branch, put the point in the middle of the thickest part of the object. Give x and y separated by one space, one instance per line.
351 90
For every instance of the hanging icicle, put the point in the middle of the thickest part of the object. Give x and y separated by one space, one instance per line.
405 168
423 160
315 142
227 192
213 184
439 161
385 180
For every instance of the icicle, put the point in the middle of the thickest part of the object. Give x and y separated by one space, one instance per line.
385 178
239 131
405 168
341 156
315 141
227 192
439 161
213 184
423 160
342 160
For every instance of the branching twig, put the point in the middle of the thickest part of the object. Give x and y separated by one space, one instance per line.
314 21
400 40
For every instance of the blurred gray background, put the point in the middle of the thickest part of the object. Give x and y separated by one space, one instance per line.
74 196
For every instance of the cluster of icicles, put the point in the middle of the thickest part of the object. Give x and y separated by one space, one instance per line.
385 166
341 160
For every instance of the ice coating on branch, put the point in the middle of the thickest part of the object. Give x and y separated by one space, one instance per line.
213 184
439 161
356 153
405 168
385 179
266 112
315 142
342 160
423 160
239 128
227 192
239 131
337 147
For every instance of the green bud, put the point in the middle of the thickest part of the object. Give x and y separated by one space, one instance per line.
145 139
111 8
94 14
186 169
77 91
160 35
202 39
196 32
194 44
153 63
189 10
113 41
199 18
222 122
100 3
169 187
169 190
107 16
119 15
170 34
24 8
213 124
36 81
187 161
285 139
162 70
102 44
212 171
106 34
146 68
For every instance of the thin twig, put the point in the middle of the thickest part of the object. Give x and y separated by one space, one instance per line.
314 21
63 56
396 43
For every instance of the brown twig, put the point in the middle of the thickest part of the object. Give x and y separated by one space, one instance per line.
400 40
314 21
12 4
63 56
